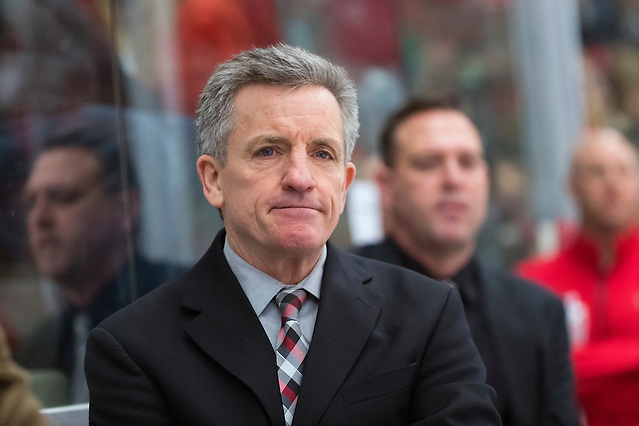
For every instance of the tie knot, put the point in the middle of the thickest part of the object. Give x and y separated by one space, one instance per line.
290 302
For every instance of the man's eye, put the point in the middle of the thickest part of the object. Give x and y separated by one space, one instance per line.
593 171
426 163
324 155
267 151
64 196
469 162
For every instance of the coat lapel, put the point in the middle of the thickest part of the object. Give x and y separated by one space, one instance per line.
228 330
348 312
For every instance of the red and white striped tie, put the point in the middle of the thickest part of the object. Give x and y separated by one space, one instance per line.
291 350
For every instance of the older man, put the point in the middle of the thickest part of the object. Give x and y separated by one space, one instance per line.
598 278
274 325
435 190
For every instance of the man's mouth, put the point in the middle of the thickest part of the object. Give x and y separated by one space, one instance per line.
295 211
452 207
44 243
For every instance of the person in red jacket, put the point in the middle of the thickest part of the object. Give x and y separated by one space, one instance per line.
598 277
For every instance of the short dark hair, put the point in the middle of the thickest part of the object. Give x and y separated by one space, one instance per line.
101 139
411 107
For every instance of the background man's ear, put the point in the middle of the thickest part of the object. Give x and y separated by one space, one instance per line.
383 177
209 171
573 185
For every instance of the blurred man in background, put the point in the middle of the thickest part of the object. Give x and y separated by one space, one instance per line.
598 277
435 186
82 217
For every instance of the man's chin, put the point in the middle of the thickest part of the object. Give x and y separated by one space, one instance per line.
53 269
453 241
48 268
614 227
299 239
54 274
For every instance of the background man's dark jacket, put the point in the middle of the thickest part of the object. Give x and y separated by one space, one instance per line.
527 336
51 346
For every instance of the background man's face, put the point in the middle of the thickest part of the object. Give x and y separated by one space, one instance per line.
437 189
605 183
72 222
284 185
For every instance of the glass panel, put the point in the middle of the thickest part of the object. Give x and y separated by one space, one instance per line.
98 185
99 199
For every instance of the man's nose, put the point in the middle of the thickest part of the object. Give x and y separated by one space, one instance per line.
453 173
298 175
40 213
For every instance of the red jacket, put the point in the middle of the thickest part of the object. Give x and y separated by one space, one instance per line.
602 310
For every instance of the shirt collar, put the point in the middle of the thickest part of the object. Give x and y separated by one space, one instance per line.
588 250
467 279
261 288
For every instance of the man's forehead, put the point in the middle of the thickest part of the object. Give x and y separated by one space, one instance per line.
283 108
439 131
440 122
64 164
605 149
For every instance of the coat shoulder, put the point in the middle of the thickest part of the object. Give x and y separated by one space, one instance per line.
155 307
527 294
396 281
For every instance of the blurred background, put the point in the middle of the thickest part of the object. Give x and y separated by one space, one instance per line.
531 74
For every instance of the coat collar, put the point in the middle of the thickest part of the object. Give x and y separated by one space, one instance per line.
347 315
228 330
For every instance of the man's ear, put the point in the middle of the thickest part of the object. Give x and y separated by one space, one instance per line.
349 177
209 170
383 177
573 185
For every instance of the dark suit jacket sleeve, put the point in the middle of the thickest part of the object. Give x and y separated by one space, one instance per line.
116 380
560 401
451 389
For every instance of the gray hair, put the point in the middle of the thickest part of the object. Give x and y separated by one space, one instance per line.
279 65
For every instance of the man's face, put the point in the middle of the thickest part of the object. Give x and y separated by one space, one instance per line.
71 221
605 183
437 189
284 184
